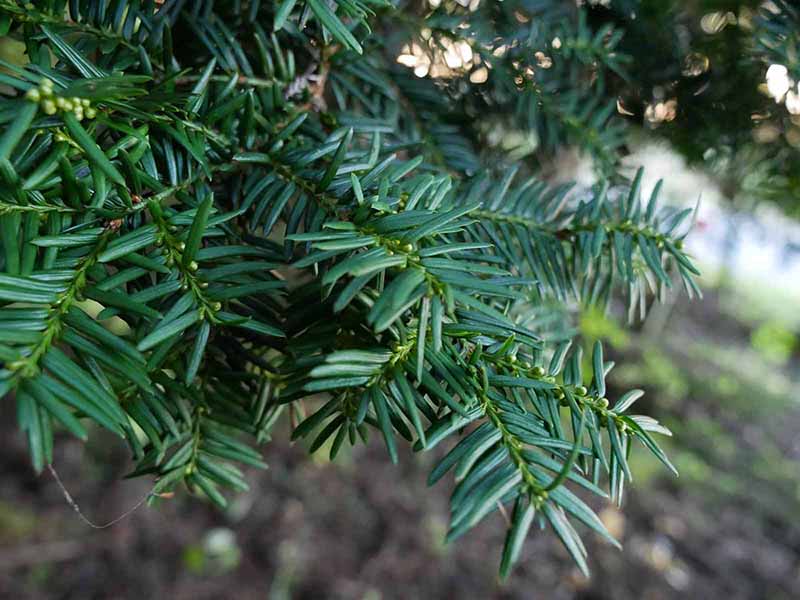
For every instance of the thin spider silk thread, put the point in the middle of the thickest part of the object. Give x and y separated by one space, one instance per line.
83 517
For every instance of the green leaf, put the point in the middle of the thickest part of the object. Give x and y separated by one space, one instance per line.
130 242
332 23
616 446
567 536
282 13
332 383
162 332
407 397
197 229
72 55
57 409
599 369
122 301
197 352
92 150
18 127
30 421
338 158
521 521
626 400
385 424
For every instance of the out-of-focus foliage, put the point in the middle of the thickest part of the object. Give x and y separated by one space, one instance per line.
719 79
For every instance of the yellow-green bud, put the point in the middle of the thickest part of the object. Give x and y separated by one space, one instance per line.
217 306
581 390
76 101
408 247
61 102
182 246
49 107
538 371
193 266
67 105
85 102
91 113
46 83
33 95
78 111
603 402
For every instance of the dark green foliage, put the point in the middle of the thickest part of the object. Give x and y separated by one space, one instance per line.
214 211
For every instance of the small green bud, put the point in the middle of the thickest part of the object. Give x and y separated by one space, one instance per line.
85 102
602 402
538 371
408 247
193 266
581 390
49 107
33 95
182 246
217 306
91 113
184 286
61 102
76 101
78 111
46 83
67 105
204 284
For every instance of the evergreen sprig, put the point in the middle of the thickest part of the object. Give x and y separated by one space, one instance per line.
212 212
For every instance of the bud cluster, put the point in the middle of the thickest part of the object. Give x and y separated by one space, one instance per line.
50 103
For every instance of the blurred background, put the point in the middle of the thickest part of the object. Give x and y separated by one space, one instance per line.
717 114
